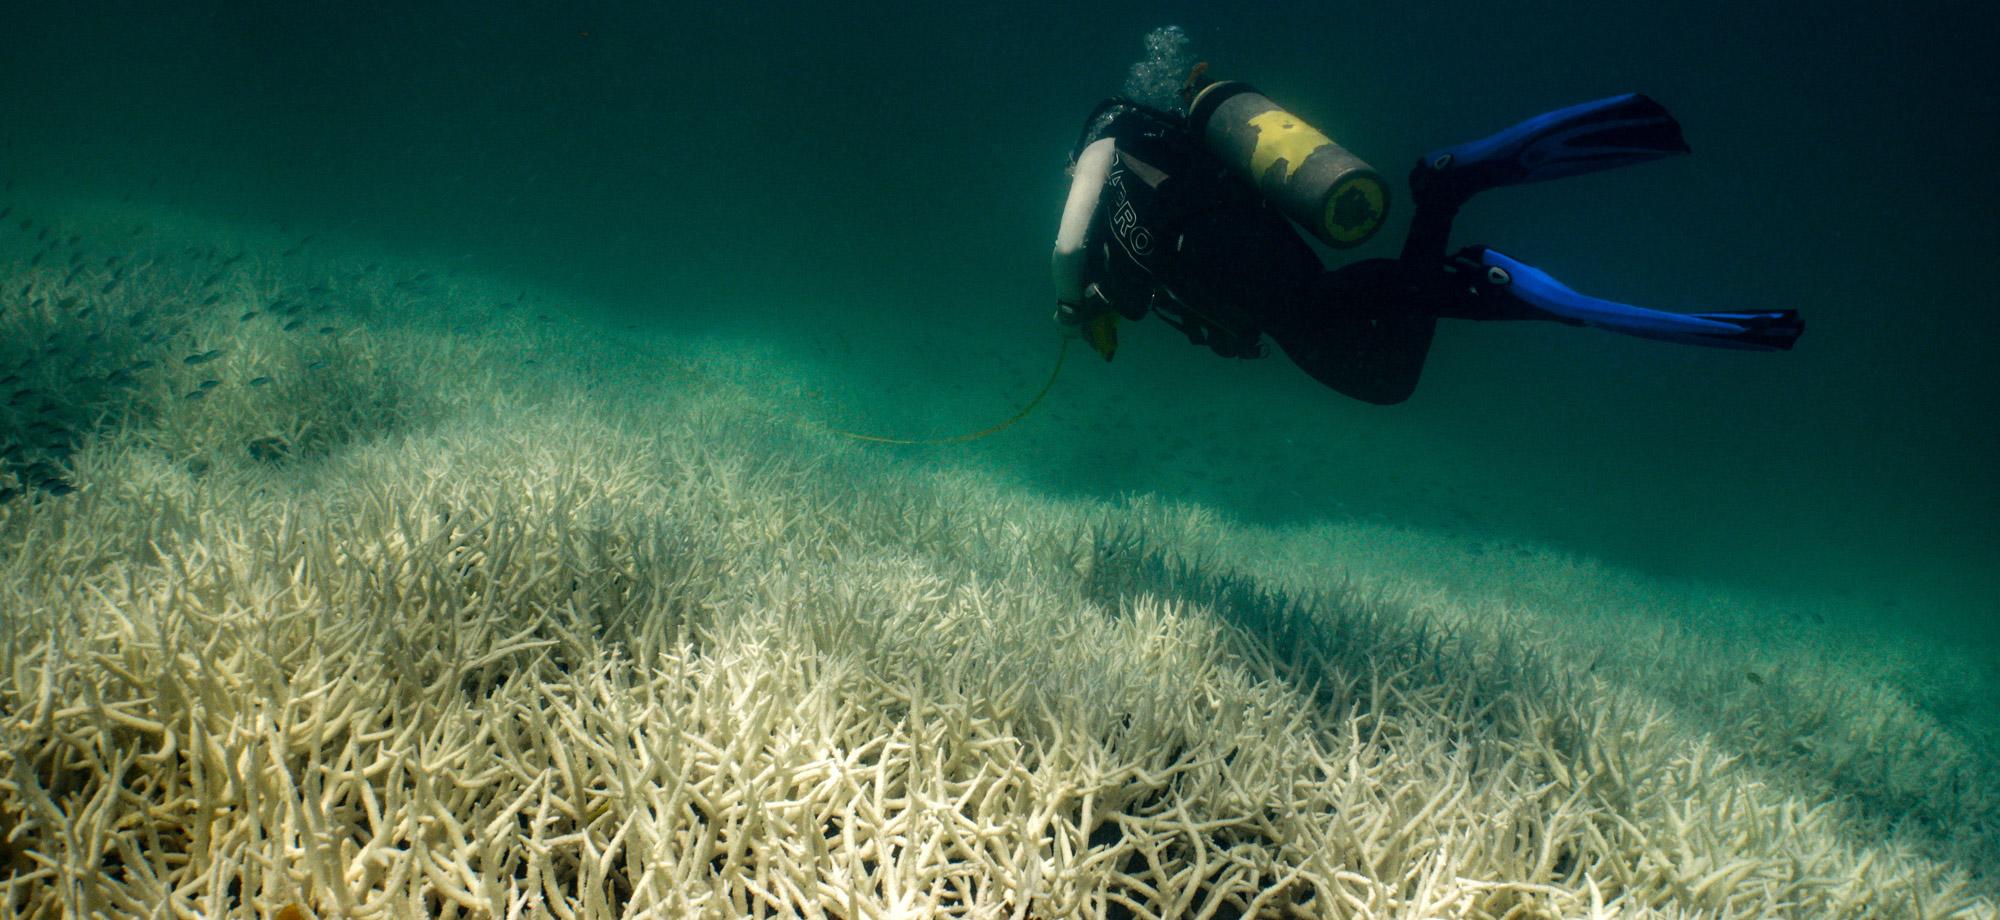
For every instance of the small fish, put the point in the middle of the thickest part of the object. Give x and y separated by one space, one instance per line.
202 357
247 317
269 449
1754 678
6 211
327 330
295 325
197 395
260 381
209 384
316 365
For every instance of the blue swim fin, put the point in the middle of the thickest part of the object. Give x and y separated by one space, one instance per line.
1607 133
1771 330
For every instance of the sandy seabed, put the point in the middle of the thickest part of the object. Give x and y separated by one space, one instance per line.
333 588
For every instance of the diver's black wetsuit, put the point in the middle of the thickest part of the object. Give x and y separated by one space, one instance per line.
1178 232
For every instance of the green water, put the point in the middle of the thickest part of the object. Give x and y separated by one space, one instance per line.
873 190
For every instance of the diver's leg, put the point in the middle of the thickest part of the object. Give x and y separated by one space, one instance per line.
1430 228
1357 330
1366 329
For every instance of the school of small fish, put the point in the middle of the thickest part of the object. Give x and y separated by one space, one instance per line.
91 329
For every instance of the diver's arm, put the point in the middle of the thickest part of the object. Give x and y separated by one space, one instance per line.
1067 263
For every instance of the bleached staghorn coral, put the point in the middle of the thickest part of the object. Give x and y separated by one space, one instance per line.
1802 687
645 654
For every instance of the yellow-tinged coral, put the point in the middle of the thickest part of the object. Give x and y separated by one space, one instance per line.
593 638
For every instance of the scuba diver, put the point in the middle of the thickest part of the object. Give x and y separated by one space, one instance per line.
1190 214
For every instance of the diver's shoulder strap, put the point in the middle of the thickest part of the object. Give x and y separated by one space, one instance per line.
1093 126
1122 115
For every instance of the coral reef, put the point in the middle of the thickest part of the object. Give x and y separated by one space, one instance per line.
503 618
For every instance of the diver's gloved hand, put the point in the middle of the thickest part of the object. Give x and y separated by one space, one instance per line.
1094 321
1080 312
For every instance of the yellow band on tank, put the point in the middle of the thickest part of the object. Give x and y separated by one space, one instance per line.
1355 209
1283 136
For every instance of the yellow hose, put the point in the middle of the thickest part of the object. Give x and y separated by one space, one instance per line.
975 435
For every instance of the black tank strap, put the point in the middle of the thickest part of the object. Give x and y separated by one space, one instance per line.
1095 123
1201 330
